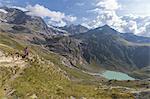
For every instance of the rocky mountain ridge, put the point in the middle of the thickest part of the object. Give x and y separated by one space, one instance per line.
69 63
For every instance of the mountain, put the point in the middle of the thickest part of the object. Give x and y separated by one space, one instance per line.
137 39
74 29
31 28
44 74
105 47
18 17
69 63
21 21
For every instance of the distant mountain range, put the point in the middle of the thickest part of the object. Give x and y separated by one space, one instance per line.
102 46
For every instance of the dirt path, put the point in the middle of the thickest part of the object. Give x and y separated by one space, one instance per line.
11 61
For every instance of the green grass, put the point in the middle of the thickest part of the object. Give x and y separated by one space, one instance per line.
47 80
40 80
6 40
76 73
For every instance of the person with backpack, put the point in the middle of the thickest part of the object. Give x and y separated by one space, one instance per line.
26 52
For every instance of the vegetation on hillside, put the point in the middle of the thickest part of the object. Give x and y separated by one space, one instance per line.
44 76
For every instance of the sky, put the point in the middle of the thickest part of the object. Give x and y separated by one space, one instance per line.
132 16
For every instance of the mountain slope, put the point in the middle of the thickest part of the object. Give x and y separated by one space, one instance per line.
137 39
105 47
29 29
44 75
19 22
61 67
74 29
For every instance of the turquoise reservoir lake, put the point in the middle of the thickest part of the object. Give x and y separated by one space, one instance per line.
116 75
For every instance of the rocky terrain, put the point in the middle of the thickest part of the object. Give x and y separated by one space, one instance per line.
104 47
64 62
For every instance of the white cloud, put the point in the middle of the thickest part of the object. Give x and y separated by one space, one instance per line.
108 4
55 17
147 30
131 27
106 11
70 18
39 10
139 25
106 14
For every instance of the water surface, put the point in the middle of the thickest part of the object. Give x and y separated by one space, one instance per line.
116 75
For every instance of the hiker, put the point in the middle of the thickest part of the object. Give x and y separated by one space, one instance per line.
26 52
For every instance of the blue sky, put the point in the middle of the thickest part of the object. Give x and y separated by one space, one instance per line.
73 6
123 15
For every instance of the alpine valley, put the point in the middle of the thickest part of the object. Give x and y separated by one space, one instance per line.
70 62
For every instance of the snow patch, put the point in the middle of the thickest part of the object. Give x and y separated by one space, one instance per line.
4 11
57 29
